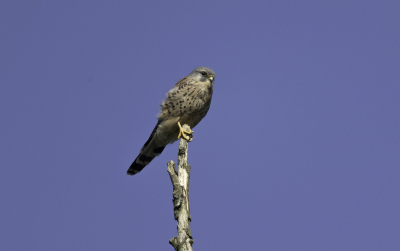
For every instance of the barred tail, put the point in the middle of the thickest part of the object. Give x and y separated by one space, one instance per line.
149 151
143 160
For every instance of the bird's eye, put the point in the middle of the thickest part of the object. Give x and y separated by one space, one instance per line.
203 73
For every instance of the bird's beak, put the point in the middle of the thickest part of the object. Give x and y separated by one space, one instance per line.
211 78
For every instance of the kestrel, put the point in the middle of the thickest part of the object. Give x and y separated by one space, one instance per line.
187 103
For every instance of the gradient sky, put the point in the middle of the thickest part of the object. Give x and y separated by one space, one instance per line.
299 151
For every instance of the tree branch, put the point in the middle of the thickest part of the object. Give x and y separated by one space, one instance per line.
180 184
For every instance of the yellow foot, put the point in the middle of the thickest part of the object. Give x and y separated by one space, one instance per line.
183 133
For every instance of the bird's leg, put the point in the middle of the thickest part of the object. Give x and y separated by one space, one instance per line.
183 133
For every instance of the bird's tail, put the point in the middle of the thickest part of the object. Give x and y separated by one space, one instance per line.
149 151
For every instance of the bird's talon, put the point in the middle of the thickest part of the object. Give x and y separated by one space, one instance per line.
183 133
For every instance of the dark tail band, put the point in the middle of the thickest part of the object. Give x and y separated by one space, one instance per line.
142 160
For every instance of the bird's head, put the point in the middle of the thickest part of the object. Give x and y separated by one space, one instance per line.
203 74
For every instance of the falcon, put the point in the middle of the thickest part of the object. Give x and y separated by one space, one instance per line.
187 103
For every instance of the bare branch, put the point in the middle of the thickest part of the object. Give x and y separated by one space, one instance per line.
180 183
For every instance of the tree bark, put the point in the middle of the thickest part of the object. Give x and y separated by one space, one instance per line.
180 184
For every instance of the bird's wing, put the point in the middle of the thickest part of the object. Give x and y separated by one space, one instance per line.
177 98
165 130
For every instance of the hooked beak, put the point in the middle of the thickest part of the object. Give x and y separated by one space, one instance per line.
211 78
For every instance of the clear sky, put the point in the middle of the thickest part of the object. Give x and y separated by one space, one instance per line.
299 151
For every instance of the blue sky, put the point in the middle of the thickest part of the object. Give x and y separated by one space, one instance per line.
299 151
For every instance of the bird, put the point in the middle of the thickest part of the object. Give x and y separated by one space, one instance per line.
186 103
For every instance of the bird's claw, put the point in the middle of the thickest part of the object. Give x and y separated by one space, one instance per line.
183 132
